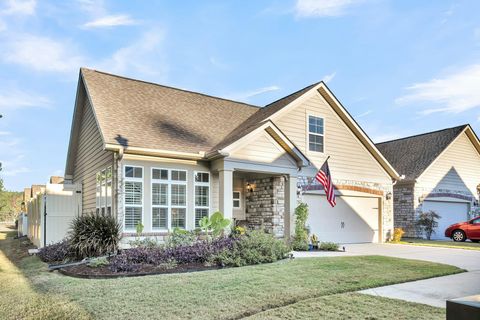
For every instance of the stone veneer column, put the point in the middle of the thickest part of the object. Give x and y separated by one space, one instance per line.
265 205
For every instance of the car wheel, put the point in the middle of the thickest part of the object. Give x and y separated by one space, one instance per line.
458 236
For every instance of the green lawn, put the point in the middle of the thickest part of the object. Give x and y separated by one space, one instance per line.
352 306
445 244
300 288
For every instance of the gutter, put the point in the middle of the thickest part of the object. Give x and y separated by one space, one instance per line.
154 152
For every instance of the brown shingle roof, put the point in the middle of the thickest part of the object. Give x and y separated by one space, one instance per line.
142 114
410 156
261 115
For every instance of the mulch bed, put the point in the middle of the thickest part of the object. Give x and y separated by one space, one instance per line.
103 272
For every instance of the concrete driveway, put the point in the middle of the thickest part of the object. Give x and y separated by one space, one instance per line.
433 291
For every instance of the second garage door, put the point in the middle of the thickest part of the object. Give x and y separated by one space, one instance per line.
352 220
450 213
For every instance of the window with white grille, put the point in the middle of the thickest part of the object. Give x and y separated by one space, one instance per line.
133 196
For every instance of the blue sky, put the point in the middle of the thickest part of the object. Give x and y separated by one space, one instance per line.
399 67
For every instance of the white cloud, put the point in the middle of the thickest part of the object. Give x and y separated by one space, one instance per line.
363 114
100 16
329 77
5 133
110 21
16 99
323 8
454 93
249 94
144 57
21 7
41 54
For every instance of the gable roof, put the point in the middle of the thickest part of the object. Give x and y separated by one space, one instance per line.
183 123
411 156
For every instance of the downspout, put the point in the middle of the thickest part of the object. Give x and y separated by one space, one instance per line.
45 219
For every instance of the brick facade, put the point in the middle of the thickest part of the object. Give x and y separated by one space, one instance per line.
265 205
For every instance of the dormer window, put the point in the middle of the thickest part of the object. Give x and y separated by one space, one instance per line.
316 142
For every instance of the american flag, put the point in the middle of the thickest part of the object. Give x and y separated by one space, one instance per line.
324 177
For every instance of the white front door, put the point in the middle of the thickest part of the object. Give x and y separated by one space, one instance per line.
450 213
352 220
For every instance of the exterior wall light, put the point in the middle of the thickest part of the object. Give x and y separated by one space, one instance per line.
388 196
249 187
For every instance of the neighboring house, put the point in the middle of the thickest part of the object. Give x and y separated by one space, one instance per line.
167 157
442 173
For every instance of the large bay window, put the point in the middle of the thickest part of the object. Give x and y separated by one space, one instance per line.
103 191
169 198
133 196
202 196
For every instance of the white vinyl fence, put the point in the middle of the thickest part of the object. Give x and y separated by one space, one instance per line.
51 212
22 224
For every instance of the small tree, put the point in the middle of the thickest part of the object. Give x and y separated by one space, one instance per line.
300 240
428 222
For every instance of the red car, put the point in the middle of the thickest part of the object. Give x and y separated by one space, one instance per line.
464 230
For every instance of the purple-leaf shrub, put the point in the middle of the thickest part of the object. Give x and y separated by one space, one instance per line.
56 252
199 252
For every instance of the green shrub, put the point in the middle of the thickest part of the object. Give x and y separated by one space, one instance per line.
215 225
180 237
300 239
144 243
98 262
94 235
328 246
428 222
253 248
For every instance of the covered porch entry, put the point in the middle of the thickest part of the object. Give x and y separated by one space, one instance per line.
258 199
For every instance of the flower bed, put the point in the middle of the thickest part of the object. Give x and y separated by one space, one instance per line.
254 247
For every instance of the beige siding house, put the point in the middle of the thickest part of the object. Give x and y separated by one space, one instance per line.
166 157
442 174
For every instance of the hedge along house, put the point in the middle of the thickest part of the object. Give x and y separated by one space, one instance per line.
442 174
166 157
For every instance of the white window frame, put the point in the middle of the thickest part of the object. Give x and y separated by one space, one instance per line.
316 134
98 190
239 199
160 181
103 191
178 182
125 179
169 205
109 190
201 184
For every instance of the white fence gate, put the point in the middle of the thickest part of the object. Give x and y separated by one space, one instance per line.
51 212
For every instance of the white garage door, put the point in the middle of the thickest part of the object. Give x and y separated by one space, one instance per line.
450 213
352 220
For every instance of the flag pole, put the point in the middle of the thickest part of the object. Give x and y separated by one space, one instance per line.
310 183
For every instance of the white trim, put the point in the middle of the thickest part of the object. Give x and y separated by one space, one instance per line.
132 179
204 184
268 125
239 199
308 133
169 182
152 206
350 122
443 152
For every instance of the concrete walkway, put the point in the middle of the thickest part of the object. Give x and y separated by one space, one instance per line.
433 291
